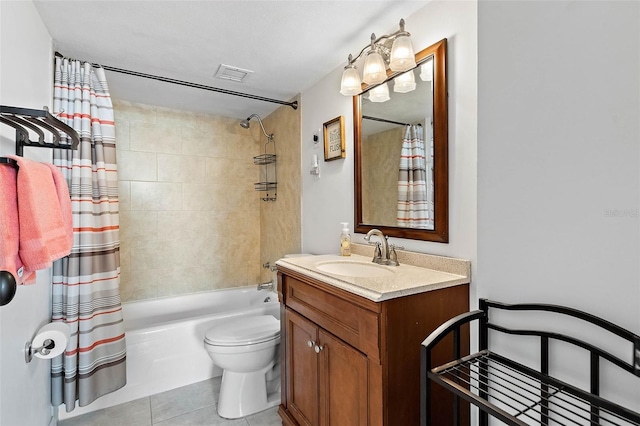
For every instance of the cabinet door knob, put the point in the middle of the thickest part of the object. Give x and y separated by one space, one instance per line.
318 349
310 343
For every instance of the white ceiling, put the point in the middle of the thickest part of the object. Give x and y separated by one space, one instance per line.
290 45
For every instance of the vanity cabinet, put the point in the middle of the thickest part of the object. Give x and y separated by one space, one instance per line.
325 369
350 361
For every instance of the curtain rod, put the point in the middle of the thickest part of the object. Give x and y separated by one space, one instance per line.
384 120
293 104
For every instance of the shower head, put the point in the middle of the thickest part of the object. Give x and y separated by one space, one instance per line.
245 124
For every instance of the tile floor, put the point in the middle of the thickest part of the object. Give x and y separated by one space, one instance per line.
193 405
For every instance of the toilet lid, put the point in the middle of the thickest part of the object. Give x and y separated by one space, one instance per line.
244 331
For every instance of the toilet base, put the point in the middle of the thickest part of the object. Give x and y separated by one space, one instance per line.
243 394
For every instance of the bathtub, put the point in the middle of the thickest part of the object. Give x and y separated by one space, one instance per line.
165 340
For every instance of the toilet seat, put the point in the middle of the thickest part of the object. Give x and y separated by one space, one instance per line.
244 331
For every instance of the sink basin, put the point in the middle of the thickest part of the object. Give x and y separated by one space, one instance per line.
354 269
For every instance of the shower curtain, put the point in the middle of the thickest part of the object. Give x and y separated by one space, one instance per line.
85 292
415 193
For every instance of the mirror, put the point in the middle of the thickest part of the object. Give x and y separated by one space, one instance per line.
408 199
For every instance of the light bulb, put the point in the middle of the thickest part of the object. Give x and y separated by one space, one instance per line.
426 71
404 83
379 93
402 56
350 84
374 71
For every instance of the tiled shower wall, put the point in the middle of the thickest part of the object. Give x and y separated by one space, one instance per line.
280 221
380 162
189 217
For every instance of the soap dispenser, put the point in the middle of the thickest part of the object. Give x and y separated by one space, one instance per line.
345 240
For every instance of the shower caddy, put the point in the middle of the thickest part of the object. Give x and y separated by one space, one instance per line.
267 160
23 120
519 395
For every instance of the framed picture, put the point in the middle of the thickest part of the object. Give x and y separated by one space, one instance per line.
334 139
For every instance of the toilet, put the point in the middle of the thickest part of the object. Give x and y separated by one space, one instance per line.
246 349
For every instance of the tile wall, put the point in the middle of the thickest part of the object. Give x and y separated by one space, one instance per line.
280 220
380 162
189 217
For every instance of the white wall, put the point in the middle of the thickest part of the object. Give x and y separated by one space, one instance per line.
25 81
559 158
328 200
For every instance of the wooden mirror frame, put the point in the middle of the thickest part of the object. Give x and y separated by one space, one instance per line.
440 233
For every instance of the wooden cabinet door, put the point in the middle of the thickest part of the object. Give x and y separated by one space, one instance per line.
343 383
302 366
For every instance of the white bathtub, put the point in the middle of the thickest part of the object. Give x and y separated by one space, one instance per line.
165 340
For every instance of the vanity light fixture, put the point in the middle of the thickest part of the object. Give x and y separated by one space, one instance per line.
351 84
374 70
426 71
379 93
394 49
405 82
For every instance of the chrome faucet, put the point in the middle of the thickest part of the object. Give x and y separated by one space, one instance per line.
387 254
266 286
377 254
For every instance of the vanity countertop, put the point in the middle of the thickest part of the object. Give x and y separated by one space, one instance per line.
398 281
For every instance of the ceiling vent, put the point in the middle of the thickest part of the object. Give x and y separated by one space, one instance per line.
228 72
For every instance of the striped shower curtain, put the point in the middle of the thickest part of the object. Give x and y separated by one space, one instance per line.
86 293
415 194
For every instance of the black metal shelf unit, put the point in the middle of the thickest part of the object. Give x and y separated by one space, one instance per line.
519 395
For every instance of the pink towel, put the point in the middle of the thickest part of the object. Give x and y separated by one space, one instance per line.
65 201
44 212
9 225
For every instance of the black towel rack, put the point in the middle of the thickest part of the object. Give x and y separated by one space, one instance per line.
9 161
24 120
